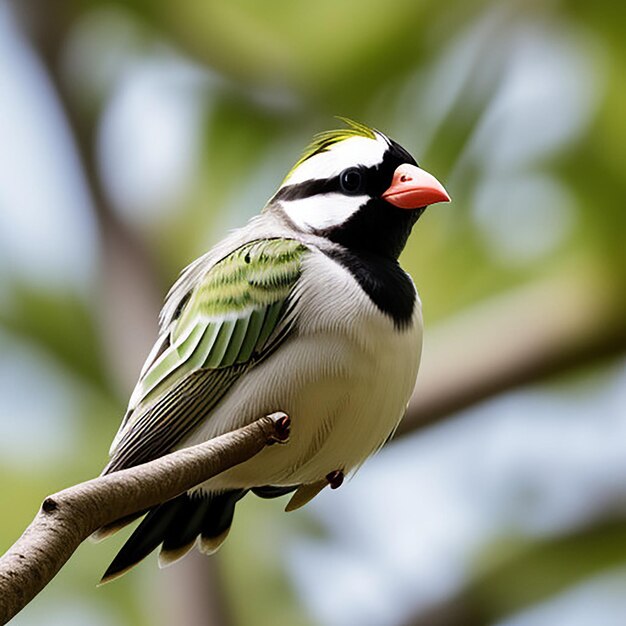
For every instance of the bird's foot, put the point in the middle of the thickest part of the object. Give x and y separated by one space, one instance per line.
335 479
306 493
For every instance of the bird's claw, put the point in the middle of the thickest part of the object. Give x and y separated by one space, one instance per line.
335 479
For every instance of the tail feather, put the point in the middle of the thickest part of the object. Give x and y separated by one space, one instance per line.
216 523
104 532
184 529
145 538
176 524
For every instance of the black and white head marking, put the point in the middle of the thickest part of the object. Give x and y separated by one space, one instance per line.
312 196
336 194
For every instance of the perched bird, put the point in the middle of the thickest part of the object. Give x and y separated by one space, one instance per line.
304 310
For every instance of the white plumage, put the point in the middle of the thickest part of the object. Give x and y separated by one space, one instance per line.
345 378
303 310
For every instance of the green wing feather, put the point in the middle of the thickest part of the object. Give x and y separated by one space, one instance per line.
230 320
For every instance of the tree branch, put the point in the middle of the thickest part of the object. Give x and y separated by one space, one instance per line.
130 285
565 321
68 517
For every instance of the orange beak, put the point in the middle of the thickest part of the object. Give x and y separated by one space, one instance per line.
412 188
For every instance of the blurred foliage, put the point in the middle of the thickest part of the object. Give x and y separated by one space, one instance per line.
270 74
47 319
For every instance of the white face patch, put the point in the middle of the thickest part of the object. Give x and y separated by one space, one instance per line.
332 209
322 211
347 153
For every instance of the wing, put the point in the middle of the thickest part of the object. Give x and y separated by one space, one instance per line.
233 317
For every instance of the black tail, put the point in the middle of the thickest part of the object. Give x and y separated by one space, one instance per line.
177 524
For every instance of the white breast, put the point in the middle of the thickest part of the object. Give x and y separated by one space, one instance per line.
344 379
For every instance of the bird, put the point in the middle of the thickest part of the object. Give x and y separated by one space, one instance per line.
304 310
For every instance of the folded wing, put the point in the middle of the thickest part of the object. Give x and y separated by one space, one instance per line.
233 317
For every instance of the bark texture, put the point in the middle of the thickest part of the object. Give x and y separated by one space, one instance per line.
68 517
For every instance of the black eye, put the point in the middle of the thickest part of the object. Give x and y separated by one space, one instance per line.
351 181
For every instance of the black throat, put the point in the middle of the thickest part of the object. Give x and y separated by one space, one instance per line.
377 228
387 285
370 243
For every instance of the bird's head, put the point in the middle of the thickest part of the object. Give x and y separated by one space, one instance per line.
358 188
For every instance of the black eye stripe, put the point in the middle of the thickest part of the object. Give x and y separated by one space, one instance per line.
317 186
308 188
376 178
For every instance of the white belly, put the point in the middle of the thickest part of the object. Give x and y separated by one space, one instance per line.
344 380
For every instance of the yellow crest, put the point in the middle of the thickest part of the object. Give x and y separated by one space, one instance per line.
324 140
